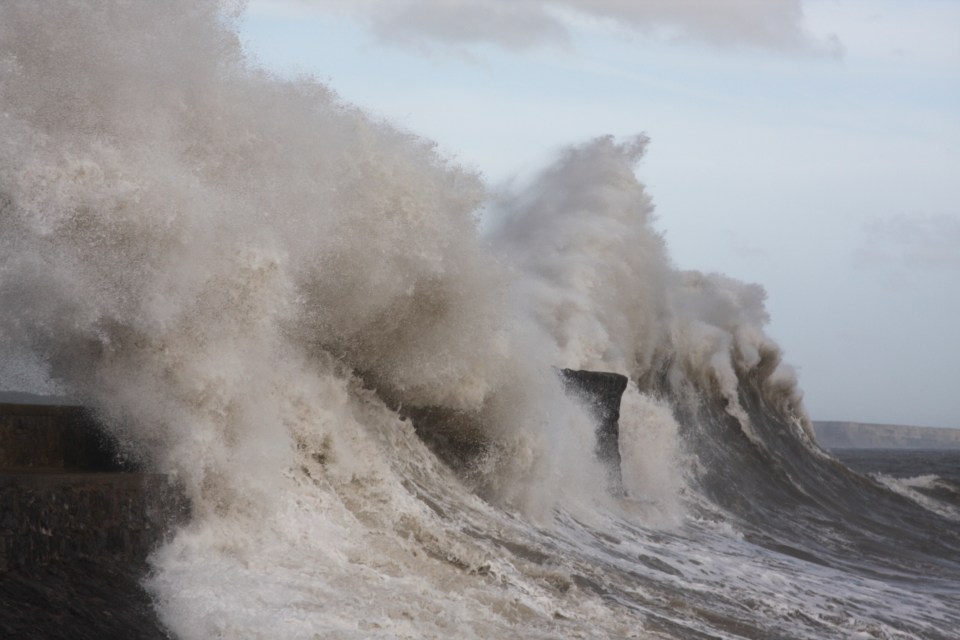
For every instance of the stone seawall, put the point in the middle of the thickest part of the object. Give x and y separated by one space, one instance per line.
77 523
54 437
56 517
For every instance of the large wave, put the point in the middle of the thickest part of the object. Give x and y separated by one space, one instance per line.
186 241
253 283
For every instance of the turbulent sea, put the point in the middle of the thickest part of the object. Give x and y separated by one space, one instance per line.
254 283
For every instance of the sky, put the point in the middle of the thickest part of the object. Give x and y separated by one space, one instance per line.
812 147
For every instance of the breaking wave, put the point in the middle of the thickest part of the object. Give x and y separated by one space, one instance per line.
256 285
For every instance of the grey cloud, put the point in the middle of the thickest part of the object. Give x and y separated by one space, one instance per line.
511 26
518 24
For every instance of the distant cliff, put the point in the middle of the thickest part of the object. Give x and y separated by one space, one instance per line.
859 435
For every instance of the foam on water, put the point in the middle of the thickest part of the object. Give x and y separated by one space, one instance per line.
913 488
252 281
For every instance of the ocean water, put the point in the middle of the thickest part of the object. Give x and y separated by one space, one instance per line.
253 283
931 477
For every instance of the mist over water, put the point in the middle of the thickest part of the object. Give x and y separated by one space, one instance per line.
252 282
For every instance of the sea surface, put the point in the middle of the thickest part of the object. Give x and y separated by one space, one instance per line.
903 463
933 473
266 293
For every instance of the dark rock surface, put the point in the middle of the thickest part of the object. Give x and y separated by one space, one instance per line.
76 526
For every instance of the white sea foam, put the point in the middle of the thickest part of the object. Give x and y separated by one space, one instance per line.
910 488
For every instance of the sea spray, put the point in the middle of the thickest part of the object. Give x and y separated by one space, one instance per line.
183 240
595 271
211 257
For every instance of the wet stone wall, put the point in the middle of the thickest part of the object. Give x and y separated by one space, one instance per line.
77 524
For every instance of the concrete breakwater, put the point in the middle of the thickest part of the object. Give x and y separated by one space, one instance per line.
77 523
601 391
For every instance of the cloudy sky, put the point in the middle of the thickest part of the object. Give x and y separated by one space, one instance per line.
810 146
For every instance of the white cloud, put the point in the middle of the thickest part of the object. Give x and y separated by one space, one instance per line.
519 24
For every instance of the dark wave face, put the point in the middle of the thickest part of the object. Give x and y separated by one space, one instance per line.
259 288
931 473
794 495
